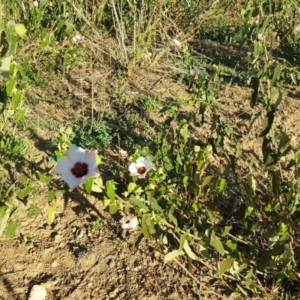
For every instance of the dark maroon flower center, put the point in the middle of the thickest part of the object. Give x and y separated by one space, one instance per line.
141 170
80 169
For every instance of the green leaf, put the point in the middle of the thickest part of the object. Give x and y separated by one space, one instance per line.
97 186
11 37
11 229
171 255
189 251
156 206
20 30
43 178
110 189
266 22
11 84
33 210
197 178
222 185
252 182
51 195
242 291
182 241
16 99
113 208
277 73
145 232
226 230
255 91
248 212
88 185
292 75
5 66
167 163
146 221
279 99
139 202
24 192
216 243
171 216
231 244
276 182
284 144
131 187
51 213
225 265
207 180
4 216
184 132
96 189
268 123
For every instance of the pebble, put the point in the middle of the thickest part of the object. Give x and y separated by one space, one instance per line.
50 249
114 293
38 292
112 263
62 245
80 233
54 264
57 238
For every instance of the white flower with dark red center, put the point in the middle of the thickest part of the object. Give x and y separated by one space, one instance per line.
141 167
77 39
177 42
194 71
129 222
77 166
123 154
261 37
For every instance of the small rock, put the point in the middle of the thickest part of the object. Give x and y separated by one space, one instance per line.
80 233
62 245
38 292
50 249
57 238
54 264
112 263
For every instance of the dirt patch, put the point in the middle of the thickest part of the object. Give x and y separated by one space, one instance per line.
74 263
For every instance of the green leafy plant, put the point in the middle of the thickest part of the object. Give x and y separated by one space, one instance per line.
91 135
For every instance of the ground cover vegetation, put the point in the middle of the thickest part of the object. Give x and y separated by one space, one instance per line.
178 117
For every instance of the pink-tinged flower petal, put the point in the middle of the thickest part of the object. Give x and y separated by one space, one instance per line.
93 173
72 181
90 158
133 169
76 154
129 222
194 71
141 160
149 165
63 166
143 176
261 37
177 42
123 153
